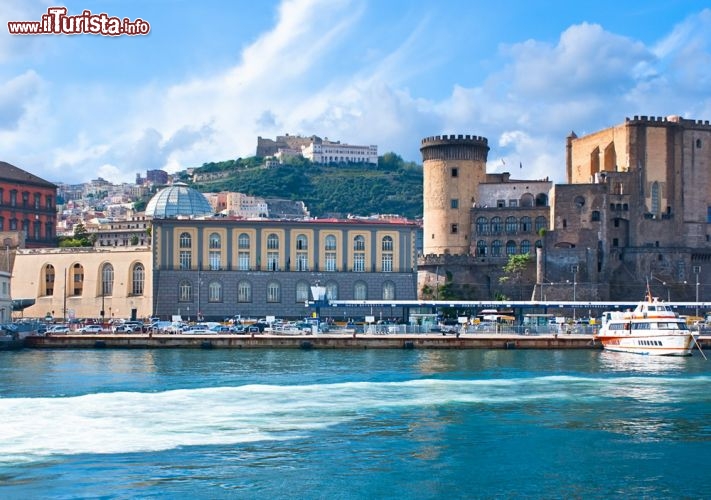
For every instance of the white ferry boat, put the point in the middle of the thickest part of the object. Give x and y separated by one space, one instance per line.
652 329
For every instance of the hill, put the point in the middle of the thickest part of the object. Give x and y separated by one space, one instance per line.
392 187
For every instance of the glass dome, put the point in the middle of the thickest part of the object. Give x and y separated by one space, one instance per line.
176 201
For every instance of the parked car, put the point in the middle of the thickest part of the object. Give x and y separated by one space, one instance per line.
57 329
91 329
125 329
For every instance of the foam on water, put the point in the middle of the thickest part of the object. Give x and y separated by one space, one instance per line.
125 422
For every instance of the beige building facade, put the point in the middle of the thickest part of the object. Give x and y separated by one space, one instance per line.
69 283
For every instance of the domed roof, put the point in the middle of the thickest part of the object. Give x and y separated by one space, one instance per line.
178 200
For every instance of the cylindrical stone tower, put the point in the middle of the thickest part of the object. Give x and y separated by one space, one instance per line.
454 166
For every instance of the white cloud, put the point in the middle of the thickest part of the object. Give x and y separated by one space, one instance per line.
286 82
16 96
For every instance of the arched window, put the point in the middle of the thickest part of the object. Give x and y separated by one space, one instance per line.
481 248
542 200
482 225
496 248
360 291
302 292
186 240
77 279
331 291
138 279
272 242
386 263
525 247
302 243
359 254
510 247
330 248
244 292
107 279
243 255
496 226
388 290
185 291
541 223
49 279
214 292
527 200
273 292
595 216
511 225
215 255
526 224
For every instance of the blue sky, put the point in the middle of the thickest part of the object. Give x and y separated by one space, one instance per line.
212 75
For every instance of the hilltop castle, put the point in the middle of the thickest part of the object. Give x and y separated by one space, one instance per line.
636 208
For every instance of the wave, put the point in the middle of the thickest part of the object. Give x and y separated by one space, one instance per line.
126 422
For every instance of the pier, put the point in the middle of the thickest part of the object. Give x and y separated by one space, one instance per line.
347 340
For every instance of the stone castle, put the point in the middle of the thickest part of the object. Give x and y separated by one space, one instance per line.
636 209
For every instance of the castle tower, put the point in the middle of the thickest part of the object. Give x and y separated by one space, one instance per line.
454 166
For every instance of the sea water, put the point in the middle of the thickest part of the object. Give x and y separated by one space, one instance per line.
353 424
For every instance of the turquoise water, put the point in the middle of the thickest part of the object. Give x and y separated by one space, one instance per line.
353 424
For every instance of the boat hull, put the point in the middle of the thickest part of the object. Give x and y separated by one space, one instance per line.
649 345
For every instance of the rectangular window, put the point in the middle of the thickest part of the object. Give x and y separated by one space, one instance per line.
272 261
186 259
359 262
708 215
330 261
214 257
513 203
387 262
243 261
500 203
454 203
302 261
455 228
455 172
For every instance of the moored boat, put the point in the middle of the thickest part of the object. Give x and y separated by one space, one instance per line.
652 329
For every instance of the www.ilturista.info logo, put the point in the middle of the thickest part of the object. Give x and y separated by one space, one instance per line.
57 22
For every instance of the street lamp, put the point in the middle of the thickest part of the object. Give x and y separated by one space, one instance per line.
318 292
664 283
574 269
697 271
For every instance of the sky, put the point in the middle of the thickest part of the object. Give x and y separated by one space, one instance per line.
211 76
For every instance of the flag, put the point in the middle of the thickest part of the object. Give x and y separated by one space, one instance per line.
520 165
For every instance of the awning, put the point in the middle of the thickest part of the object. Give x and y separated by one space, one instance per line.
22 304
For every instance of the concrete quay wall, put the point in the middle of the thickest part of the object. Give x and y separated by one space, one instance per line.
320 341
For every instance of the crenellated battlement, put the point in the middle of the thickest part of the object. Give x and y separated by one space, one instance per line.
436 140
455 147
672 119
